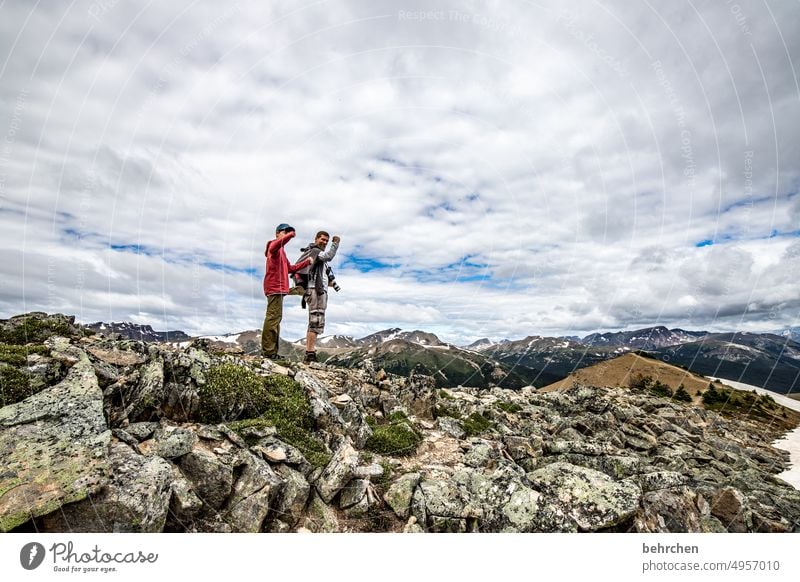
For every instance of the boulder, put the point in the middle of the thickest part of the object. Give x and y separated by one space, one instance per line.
254 492
400 494
135 498
338 472
53 448
294 495
591 498
211 479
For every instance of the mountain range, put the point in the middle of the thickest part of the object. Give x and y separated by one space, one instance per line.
770 360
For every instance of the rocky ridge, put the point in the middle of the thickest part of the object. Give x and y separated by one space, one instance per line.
122 435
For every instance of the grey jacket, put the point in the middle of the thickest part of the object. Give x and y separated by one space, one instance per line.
318 268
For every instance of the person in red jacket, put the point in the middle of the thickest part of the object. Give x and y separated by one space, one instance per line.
276 286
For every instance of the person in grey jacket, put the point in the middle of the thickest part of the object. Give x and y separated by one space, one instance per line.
316 295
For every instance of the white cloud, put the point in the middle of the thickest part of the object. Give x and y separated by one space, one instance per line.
520 170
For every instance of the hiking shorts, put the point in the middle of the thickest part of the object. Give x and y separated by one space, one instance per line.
317 304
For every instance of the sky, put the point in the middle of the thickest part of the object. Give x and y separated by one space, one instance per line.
494 169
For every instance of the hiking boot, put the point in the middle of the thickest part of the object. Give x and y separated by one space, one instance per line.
275 357
310 357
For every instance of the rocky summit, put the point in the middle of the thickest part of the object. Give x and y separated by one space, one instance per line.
102 434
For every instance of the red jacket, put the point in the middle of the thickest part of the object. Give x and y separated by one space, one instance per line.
276 279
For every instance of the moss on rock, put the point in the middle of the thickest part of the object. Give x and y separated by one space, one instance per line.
17 355
277 401
35 328
475 424
396 438
232 392
15 386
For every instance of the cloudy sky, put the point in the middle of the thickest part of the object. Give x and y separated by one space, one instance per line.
495 169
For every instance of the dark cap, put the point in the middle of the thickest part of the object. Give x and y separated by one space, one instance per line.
284 226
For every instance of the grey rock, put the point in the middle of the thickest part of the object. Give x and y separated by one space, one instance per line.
144 399
320 517
451 427
125 437
134 499
412 526
589 497
661 480
182 401
294 496
522 509
184 506
368 471
670 510
442 499
338 472
141 430
400 494
53 447
211 479
62 350
728 506
173 441
519 447
253 493
353 493
481 454
418 395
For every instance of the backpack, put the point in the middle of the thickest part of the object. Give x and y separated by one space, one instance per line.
301 277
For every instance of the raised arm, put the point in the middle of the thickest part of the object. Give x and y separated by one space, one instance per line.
277 244
326 256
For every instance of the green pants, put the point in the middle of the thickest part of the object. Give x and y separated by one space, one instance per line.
272 325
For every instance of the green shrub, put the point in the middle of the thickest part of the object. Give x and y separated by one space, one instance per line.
15 386
508 406
713 396
232 392
445 410
660 389
396 438
682 395
277 401
476 423
17 355
33 329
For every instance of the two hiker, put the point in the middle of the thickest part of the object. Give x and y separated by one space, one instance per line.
312 277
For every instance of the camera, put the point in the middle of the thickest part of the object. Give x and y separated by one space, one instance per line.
332 279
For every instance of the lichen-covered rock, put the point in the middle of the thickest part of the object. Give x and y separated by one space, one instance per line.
728 506
144 399
418 395
674 510
171 442
442 499
400 494
522 509
338 472
255 490
53 448
184 506
589 497
661 480
451 427
320 517
211 479
294 496
135 498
